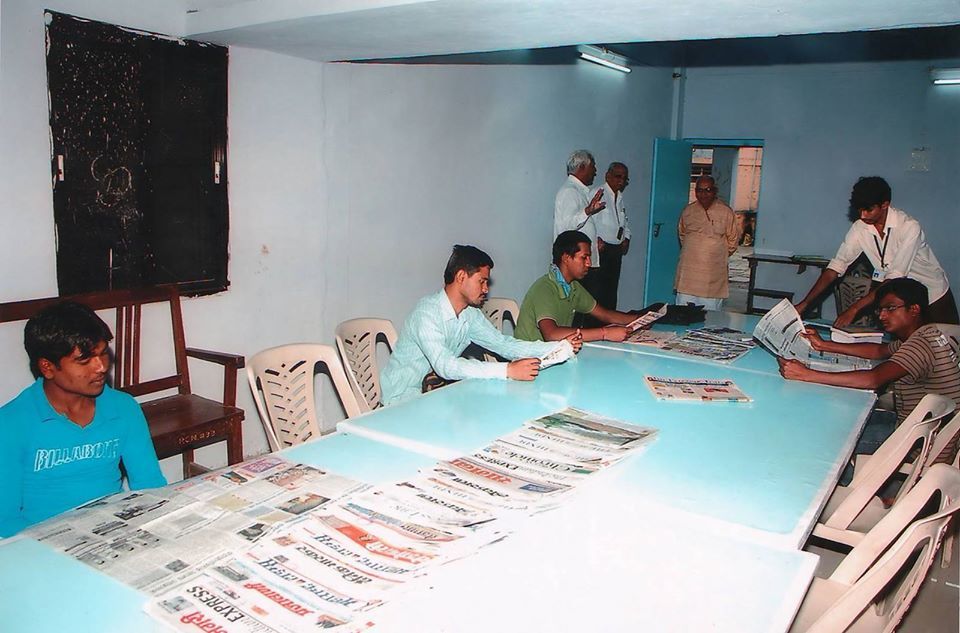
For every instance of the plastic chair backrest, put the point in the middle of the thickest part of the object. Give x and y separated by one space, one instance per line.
357 342
899 541
281 379
495 308
849 290
952 332
942 439
920 425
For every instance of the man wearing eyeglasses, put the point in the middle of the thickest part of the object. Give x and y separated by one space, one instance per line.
919 361
613 235
708 236
896 246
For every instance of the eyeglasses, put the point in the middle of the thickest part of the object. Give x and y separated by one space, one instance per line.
888 309
706 189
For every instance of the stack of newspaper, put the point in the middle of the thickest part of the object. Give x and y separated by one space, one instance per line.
781 331
337 562
273 545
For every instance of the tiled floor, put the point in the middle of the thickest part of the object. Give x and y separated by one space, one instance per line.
937 606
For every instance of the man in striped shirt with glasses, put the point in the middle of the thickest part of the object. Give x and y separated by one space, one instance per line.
919 361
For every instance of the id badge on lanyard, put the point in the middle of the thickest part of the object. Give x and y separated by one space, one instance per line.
880 274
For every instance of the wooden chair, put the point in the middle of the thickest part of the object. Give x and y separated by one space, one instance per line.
178 423
281 379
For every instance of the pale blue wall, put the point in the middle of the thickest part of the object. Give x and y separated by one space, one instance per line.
824 126
423 157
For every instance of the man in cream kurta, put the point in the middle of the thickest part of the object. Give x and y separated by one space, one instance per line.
708 236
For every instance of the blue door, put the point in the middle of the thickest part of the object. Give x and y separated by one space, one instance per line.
669 193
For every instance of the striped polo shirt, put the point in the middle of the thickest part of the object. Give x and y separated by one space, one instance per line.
931 366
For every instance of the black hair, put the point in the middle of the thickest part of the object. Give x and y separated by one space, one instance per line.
869 191
568 243
61 328
469 259
910 291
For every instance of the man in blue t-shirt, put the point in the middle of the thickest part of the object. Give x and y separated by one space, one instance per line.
62 440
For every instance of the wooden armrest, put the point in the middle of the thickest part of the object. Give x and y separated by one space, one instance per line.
221 358
231 364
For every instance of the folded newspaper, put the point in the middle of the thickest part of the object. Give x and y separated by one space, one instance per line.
781 332
559 354
695 389
646 319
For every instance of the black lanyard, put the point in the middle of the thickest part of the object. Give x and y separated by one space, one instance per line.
883 251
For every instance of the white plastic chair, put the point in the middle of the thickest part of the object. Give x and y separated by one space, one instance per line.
357 341
873 587
496 308
281 379
853 510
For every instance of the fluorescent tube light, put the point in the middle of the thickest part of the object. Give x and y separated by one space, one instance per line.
604 57
945 76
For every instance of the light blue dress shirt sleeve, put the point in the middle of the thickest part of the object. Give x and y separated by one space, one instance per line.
484 334
442 350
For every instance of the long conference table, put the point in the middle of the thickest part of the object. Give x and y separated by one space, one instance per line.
699 532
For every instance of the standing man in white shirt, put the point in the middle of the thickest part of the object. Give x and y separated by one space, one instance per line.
613 235
895 245
574 209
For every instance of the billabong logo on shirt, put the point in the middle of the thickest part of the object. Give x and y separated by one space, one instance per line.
53 457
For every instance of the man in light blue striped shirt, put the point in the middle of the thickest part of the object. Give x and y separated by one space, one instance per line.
442 325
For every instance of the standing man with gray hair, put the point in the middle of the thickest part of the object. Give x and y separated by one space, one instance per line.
573 208
613 234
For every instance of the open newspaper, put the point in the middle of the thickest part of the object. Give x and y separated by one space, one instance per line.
706 344
696 389
781 332
154 539
333 565
653 338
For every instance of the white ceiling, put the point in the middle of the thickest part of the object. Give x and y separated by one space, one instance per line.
328 30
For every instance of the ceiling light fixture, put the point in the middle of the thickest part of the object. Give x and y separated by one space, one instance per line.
945 76
602 56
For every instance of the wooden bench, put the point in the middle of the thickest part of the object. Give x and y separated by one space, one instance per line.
181 422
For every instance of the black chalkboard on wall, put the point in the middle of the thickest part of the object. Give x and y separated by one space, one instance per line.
139 131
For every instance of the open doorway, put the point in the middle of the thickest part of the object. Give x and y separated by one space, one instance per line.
736 166
736 169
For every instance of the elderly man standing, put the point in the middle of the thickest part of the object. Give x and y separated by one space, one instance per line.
574 209
708 236
613 235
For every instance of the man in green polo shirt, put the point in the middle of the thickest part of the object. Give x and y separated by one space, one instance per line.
548 309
